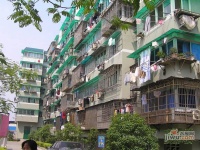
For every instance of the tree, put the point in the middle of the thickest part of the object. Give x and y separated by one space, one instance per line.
71 133
25 12
10 80
130 132
91 140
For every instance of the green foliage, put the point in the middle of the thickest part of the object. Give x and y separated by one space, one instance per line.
91 140
71 133
44 145
59 135
160 54
10 136
2 148
25 13
10 80
173 50
117 23
130 132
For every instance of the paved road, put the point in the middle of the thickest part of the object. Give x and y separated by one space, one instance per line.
15 145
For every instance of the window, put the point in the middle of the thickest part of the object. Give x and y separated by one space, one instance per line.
183 46
187 98
171 147
167 7
154 56
100 58
25 112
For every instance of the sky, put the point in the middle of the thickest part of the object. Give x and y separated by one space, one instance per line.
15 39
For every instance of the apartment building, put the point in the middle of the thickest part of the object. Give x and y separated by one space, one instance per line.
87 66
167 71
29 102
96 70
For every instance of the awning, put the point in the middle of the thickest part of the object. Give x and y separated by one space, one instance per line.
173 33
80 12
142 12
66 48
114 35
87 59
69 59
52 67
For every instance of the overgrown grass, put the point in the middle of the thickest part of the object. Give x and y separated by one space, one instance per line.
42 144
2 148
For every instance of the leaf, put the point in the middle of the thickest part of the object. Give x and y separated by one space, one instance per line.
51 10
2 54
65 13
56 17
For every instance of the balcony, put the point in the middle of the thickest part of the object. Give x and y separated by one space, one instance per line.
49 84
77 76
55 53
29 94
79 33
169 116
66 83
26 118
124 12
67 101
24 105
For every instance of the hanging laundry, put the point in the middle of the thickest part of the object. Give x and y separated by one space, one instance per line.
64 115
110 42
138 21
137 70
68 117
127 78
145 73
115 112
132 77
144 99
122 110
113 42
128 108
147 23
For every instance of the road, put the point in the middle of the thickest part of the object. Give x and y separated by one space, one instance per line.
15 145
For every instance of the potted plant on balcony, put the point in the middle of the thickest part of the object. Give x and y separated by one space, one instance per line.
173 52
189 56
161 55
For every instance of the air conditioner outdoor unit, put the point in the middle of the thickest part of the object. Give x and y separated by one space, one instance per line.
196 114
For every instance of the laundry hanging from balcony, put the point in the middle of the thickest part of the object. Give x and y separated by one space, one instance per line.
129 78
128 108
145 69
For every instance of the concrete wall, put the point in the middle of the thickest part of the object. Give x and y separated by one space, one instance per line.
29 94
20 128
27 118
31 106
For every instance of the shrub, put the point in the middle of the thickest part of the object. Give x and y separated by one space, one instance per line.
44 145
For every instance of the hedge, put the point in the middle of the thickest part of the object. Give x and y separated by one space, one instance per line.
42 144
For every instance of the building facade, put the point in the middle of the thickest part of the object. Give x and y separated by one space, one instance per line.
87 65
29 102
167 72
97 70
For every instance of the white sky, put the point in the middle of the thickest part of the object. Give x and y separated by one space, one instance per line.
14 38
